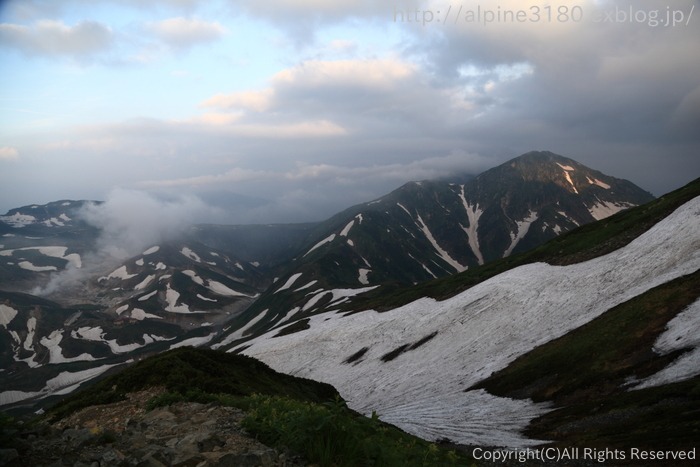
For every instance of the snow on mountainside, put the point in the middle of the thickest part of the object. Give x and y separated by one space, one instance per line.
432 229
414 364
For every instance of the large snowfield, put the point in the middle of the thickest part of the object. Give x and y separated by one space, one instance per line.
477 333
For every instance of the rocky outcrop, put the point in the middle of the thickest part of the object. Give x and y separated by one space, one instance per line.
125 434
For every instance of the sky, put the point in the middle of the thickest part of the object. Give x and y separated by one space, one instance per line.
292 110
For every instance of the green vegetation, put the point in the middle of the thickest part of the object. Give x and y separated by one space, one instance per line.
332 435
327 433
207 371
289 413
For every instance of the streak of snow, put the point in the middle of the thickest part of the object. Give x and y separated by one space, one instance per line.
122 309
240 332
571 182
202 297
566 167
314 300
221 289
289 282
523 226
286 317
442 253
144 283
424 266
160 266
151 250
306 286
140 315
30 267
190 254
479 331
143 298
595 181
10 397
404 208
682 332
70 378
346 230
328 239
193 341
473 214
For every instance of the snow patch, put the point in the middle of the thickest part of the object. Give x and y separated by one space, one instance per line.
603 209
18 220
151 250
7 314
682 332
53 341
362 277
191 254
140 315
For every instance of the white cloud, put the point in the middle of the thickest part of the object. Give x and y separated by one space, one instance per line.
8 153
185 32
374 73
54 38
258 101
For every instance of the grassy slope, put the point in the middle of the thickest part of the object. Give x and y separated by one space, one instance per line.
585 372
284 411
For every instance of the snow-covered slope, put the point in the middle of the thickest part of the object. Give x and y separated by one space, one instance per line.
432 229
412 365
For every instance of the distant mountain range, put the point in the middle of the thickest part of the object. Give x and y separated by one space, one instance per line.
301 297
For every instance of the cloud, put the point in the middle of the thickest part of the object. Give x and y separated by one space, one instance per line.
131 220
183 33
8 153
258 101
54 38
301 19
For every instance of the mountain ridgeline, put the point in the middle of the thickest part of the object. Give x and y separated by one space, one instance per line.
69 313
431 229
